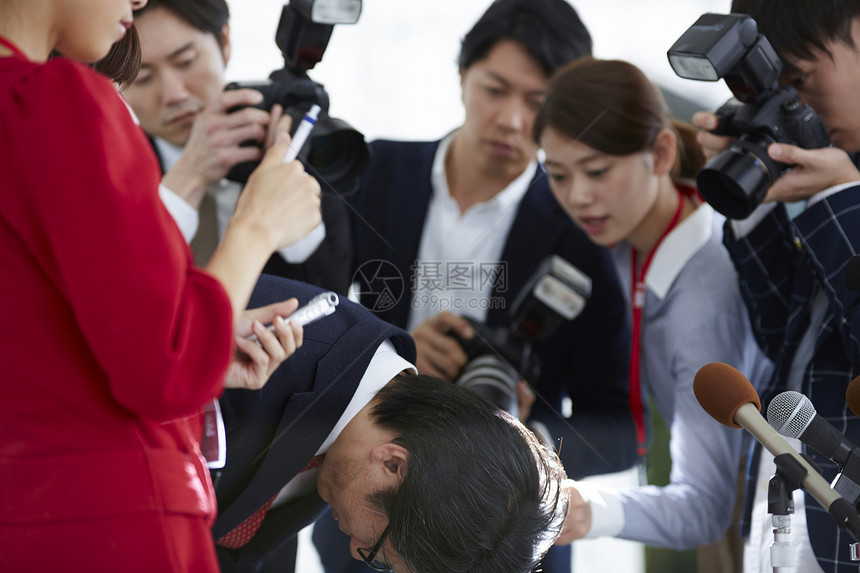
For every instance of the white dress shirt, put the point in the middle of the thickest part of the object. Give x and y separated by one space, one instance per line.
385 365
459 257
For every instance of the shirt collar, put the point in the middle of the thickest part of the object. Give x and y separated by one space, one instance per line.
168 152
503 200
678 248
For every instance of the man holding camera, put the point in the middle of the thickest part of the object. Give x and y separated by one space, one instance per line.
200 132
792 265
466 221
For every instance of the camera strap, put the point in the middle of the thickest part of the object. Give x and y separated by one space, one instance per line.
637 300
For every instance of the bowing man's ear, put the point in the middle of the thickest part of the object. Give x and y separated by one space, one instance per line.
392 458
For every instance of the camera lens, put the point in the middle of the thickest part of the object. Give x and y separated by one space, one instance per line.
494 380
338 154
736 181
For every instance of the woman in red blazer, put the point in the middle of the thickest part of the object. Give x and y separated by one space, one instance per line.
111 339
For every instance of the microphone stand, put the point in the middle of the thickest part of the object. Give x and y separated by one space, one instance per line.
788 477
850 490
780 504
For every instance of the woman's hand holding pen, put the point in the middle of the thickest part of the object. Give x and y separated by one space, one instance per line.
279 205
280 199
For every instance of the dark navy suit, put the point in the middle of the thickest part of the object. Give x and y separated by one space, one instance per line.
273 432
781 264
585 360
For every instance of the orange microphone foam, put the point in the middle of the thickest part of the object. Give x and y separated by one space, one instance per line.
721 389
852 396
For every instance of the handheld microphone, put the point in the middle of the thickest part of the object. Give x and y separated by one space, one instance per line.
730 399
793 415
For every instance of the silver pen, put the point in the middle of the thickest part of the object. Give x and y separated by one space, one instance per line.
321 305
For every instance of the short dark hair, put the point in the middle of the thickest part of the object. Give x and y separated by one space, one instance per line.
549 30
206 15
612 107
480 494
122 63
795 27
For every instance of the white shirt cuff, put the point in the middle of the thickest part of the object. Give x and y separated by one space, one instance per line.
607 511
824 194
743 227
185 215
299 252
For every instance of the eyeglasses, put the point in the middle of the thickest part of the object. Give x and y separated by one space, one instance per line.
369 555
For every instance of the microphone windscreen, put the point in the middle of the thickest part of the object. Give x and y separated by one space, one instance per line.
852 396
852 274
721 390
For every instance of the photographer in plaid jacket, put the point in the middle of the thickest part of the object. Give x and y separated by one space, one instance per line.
792 259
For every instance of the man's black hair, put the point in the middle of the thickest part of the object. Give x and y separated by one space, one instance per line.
206 15
796 27
549 30
480 493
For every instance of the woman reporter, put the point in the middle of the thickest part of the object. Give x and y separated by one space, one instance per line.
622 169
113 340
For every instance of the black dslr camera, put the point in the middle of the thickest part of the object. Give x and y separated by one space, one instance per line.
336 154
500 357
762 112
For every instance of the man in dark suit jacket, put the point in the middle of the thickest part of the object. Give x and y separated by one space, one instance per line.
395 447
479 199
792 265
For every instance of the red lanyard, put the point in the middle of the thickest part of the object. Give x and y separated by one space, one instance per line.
13 47
637 300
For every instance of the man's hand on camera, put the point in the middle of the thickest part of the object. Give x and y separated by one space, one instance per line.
711 144
214 143
578 522
439 354
813 170
254 363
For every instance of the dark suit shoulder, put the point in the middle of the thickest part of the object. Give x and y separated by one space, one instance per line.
390 148
350 331
396 164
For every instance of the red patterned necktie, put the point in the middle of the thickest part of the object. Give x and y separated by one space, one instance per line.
242 533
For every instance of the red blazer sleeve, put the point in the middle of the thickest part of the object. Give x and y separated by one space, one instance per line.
84 201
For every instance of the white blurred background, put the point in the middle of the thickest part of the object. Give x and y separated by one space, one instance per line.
394 75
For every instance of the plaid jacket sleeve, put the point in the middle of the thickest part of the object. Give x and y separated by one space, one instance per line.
782 265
